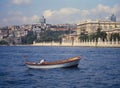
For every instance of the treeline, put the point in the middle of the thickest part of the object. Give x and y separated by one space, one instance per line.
44 36
3 42
99 35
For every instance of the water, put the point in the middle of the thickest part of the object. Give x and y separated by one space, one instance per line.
98 68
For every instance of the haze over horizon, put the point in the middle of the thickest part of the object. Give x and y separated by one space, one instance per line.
18 12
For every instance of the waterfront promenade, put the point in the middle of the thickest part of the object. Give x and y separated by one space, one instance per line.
84 44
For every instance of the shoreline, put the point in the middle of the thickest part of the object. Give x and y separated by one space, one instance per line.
88 44
64 46
83 44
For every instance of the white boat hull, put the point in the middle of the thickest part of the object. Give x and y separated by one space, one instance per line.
70 64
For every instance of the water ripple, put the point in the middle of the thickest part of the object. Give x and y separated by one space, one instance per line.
98 68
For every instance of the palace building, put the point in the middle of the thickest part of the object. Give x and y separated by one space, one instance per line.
89 27
92 26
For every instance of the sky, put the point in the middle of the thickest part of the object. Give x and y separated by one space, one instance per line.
18 12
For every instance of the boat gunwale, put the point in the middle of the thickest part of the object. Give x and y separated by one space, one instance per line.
54 62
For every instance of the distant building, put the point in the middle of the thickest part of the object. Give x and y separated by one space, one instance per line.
92 26
63 27
42 21
89 27
113 18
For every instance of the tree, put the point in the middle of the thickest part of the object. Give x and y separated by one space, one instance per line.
83 37
48 36
103 36
100 34
29 38
3 42
115 37
92 37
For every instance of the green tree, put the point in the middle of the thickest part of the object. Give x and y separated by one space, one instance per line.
3 42
48 36
103 36
115 37
100 34
83 37
92 37
29 38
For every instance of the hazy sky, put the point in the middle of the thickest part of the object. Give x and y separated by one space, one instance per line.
17 12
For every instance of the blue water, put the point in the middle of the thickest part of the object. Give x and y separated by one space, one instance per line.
98 68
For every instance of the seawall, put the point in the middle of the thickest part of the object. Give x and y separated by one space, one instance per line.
86 44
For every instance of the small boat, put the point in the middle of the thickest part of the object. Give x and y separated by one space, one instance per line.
70 62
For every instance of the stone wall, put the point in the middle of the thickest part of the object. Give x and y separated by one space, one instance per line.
86 44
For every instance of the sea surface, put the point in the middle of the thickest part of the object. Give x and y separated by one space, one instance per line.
98 68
